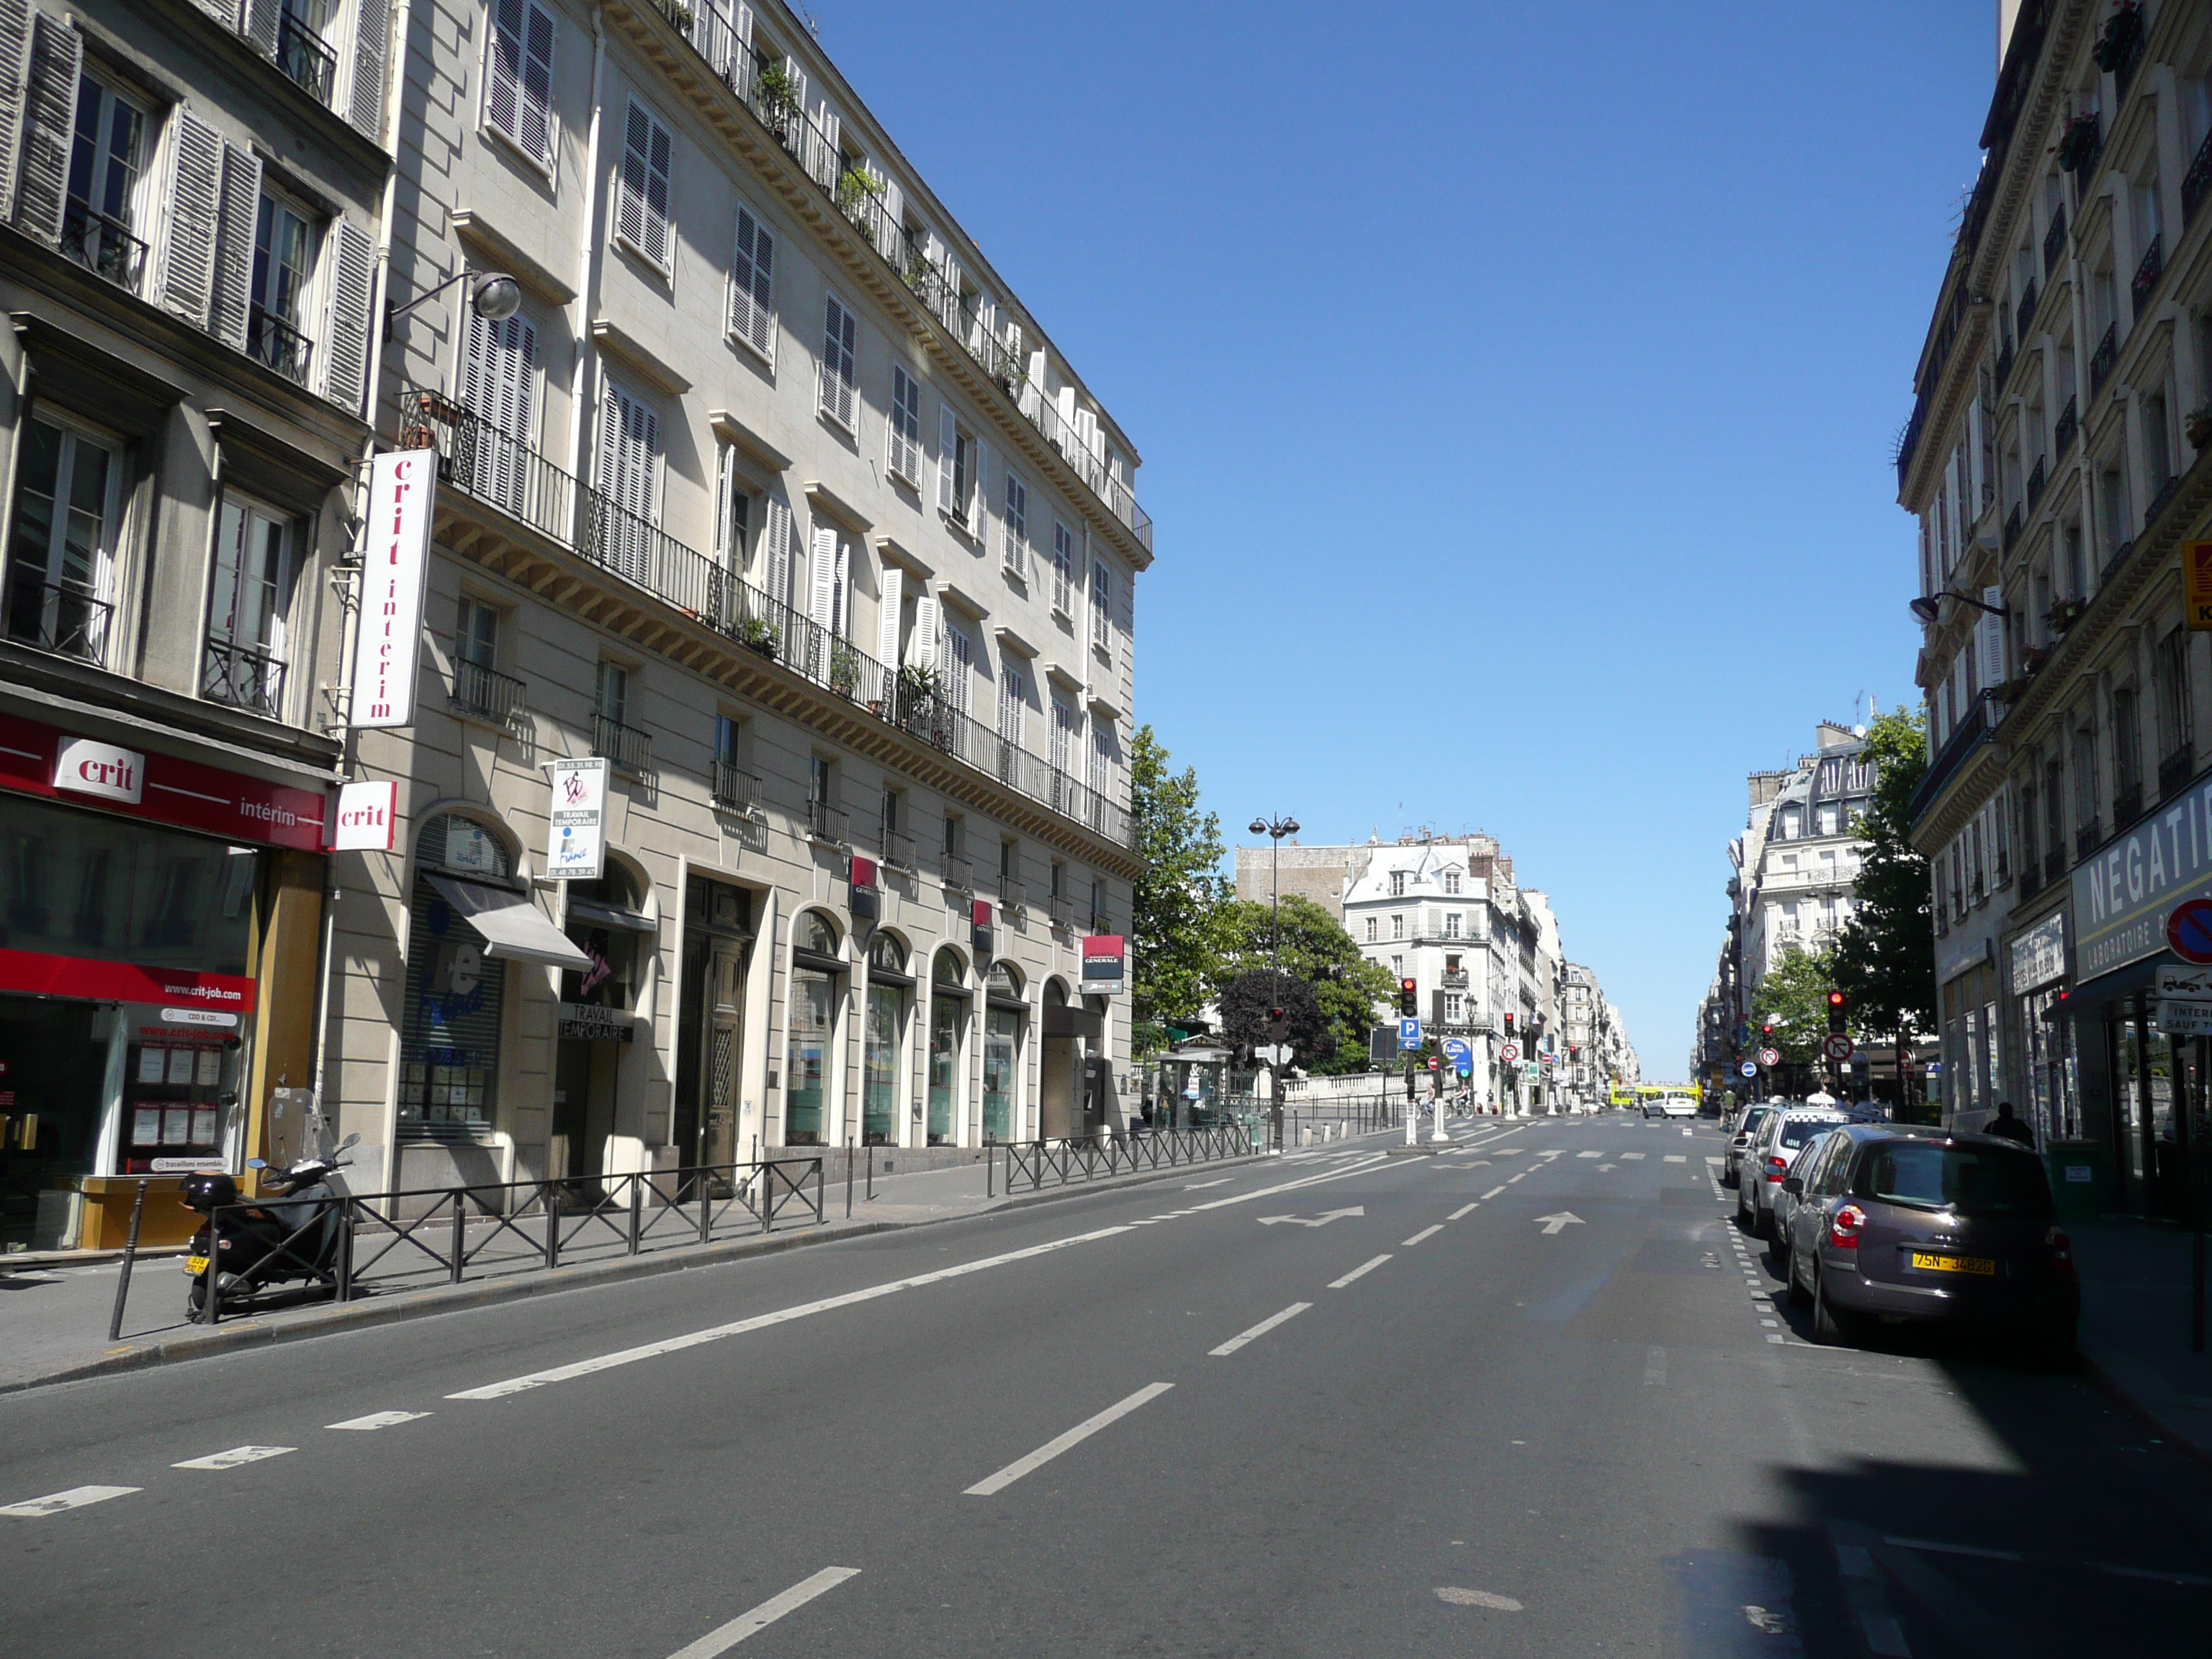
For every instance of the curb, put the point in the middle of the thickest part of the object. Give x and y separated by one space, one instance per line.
375 1311
2134 1387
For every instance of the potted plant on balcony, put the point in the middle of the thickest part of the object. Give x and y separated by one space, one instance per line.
679 14
758 633
2122 31
779 99
844 669
2063 616
2080 142
2197 424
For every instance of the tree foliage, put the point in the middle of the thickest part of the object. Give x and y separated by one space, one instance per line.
1247 1002
1794 998
1176 921
1315 948
1886 957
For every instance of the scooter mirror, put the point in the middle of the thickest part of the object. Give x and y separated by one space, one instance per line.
257 1163
350 1140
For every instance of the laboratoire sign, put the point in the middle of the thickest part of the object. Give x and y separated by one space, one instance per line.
2123 895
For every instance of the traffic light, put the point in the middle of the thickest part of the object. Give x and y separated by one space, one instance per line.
1766 1031
1279 1029
1508 1025
1409 998
1836 1011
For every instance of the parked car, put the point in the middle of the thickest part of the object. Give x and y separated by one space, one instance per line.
1896 1223
1671 1106
1746 1125
1768 1158
1780 1200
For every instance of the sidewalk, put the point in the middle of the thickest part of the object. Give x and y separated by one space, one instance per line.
53 1321
2135 1323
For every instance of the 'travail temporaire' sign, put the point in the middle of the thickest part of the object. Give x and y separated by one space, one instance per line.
2122 896
402 489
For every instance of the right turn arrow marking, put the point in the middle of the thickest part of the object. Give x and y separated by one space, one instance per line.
1565 1218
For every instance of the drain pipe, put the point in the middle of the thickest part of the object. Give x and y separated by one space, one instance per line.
587 258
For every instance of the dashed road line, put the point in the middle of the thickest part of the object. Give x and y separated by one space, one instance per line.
1051 1448
378 1421
721 1640
1493 1192
1462 1210
233 1457
1258 1330
1367 1267
75 1499
1426 1232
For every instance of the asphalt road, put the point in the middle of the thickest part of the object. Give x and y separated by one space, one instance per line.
1147 1423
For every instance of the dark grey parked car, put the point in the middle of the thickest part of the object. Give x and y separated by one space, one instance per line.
1746 1125
1895 1223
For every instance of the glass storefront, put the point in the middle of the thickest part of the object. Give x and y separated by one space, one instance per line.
807 1060
1002 1032
2054 1077
948 1014
450 1014
879 1066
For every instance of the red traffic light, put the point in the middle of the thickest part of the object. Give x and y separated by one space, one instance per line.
1835 998
1408 985
1274 1013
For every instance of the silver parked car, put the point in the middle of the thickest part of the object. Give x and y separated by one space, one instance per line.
1746 1125
1766 1161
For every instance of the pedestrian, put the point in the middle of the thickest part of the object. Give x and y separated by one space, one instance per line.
2010 1126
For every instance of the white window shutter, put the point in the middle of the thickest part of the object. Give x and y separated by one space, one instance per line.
1993 639
887 618
822 605
948 440
742 25
630 195
49 121
751 279
233 244
364 99
15 49
352 258
775 540
503 72
979 493
921 650
193 191
258 23
841 591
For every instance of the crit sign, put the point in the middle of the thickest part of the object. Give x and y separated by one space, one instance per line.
2189 930
2197 584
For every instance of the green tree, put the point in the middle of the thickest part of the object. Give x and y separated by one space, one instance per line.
1247 1001
1176 920
1315 948
1794 998
1886 957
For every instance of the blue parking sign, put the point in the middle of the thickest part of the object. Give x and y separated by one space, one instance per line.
1409 1034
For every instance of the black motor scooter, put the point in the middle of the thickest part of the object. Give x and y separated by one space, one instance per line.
267 1242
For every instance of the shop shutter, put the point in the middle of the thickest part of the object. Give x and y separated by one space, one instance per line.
188 232
233 244
49 119
345 340
364 100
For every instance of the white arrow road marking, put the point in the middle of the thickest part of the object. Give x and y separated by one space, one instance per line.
1563 1219
1323 1220
233 1458
1367 1267
1260 1330
1053 1448
378 1421
721 1641
75 1499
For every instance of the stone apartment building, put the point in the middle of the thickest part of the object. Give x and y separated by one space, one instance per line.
2054 460
189 204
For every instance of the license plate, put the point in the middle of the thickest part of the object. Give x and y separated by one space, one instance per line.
1954 1264
195 1264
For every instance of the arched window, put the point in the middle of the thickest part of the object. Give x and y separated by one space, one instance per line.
814 931
1004 980
464 846
947 970
885 952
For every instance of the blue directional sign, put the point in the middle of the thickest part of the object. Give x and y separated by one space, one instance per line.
1409 1034
1462 1056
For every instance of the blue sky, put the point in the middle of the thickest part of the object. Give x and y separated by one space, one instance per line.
1515 385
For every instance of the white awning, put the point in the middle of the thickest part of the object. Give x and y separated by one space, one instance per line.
509 924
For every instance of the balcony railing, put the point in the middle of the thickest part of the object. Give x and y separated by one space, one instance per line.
2035 484
2198 180
2127 805
2176 769
58 618
2006 357
2102 359
2063 431
1452 982
1971 730
486 693
1013 896
2121 49
102 244
862 200
627 747
2086 838
269 339
306 57
2054 862
2054 240
959 874
2024 313
2120 556
2011 527
2158 501
2147 275
478 459
243 676
828 823
896 848
736 790
1061 909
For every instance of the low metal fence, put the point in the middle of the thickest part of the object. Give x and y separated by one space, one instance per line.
411 1237
1030 1165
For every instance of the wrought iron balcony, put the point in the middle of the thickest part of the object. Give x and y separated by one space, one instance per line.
2102 359
2054 862
2035 484
269 339
896 848
1013 895
102 244
959 874
2147 275
2198 180
486 693
626 747
2086 838
2063 431
2006 358
2011 527
2054 240
2127 805
1063 911
825 823
2176 769
306 57
2024 313
2158 501
736 790
243 676
1100 923
57 617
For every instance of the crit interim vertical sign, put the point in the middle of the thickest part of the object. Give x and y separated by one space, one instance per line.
402 489
2197 584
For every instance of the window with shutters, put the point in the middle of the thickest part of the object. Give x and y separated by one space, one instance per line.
518 80
733 518
1063 570
1066 733
628 478
904 457
99 219
957 681
1013 690
752 285
840 336
2176 725
498 386
1102 762
641 193
1014 526
284 240
61 554
957 457
249 613
303 49
1102 606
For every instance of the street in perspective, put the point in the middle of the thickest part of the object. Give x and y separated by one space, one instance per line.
624 1028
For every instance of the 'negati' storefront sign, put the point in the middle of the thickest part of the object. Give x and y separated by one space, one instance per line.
2122 896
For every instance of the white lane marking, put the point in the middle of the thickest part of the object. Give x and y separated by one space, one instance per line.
1655 1367
75 1499
751 1624
233 1457
1511 1151
1493 1192
1367 1267
1426 1232
1475 1598
1956 1549
1631 1158
1258 1330
1201 1186
1323 1220
1772 1324
1053 1448
1592 1154
1551 1223
378 1421
1461 1211
2145 1572
1775 1339
1676 1157
1686 1134
1712 1160
762 1321
1607 1169
1509 1180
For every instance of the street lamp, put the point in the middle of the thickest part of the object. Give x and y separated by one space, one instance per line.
1276 828
493 296
1929 609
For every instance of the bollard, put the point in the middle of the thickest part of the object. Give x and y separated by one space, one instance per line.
130 1256
460 1232
552 1227
706 1205
821 1167
637 1213
991 1172
848 1178
871 1172
345 1249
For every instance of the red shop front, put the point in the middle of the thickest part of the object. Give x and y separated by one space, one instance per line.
149 914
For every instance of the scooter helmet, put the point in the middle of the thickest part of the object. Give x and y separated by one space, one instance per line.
208 1192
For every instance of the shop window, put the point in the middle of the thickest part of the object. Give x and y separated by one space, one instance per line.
606 918
451 1015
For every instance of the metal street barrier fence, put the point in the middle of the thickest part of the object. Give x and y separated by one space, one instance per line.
1032 1164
